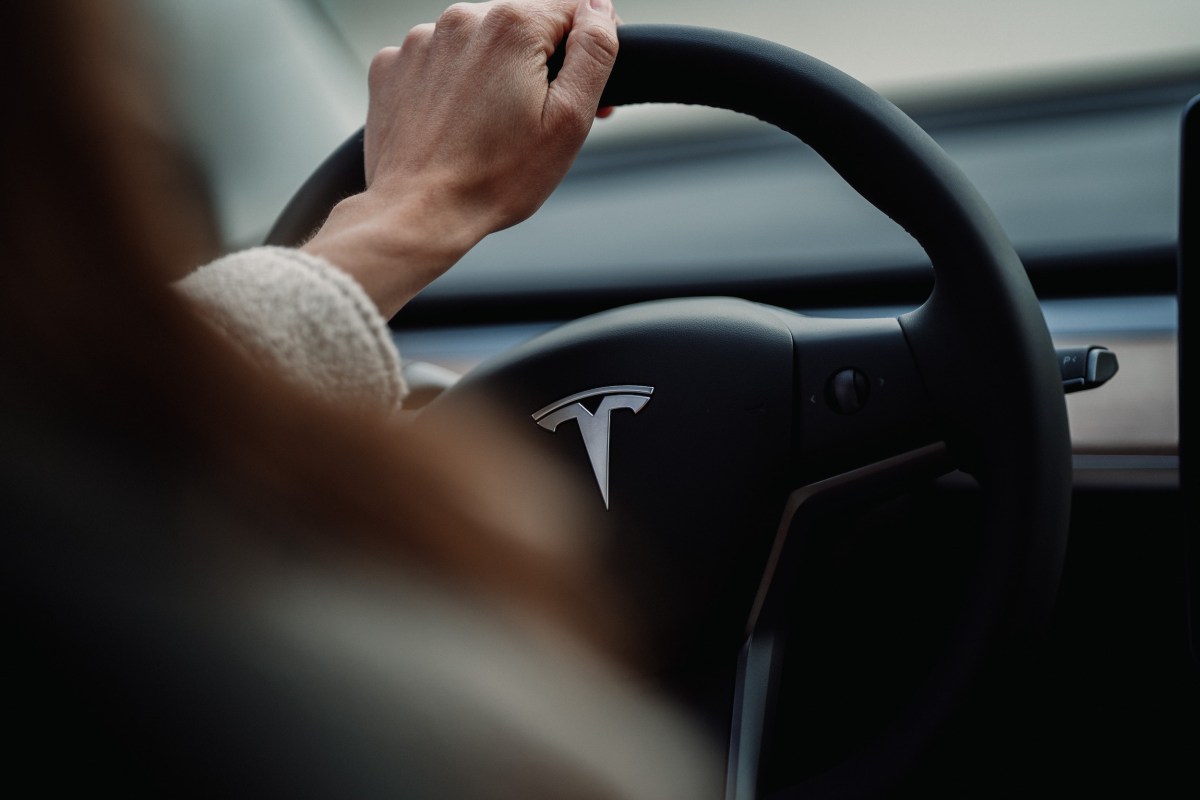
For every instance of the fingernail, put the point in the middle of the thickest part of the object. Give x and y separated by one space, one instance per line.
601 5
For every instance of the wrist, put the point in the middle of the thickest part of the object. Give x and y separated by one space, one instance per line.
394 247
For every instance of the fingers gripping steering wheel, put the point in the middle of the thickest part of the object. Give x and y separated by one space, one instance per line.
752 422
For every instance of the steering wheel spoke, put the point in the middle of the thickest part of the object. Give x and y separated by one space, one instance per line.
759 667
859 396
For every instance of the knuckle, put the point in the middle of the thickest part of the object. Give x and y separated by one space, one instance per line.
600 43
455 17
382 63
418 37
514 25
504 16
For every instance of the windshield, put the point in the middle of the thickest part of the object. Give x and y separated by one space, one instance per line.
265 90
921 48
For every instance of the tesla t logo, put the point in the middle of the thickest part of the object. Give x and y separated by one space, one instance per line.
594 426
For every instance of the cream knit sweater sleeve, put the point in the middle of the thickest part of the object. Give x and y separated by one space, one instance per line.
302 316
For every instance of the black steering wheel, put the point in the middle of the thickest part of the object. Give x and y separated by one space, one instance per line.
718 432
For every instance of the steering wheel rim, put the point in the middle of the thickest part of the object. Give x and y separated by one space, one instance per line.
980 344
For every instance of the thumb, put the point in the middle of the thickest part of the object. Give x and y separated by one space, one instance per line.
591 52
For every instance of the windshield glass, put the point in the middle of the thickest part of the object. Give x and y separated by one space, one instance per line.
263 91
926 48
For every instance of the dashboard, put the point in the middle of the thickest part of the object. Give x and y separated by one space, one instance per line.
1125 428
1085 185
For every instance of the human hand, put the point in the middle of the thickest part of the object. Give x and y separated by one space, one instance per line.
465 136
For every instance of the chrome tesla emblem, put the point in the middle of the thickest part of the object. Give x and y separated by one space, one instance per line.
594 427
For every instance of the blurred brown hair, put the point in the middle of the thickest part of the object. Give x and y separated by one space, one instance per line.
99 213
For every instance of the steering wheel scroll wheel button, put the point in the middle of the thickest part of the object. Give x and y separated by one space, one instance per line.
1085 367
847 391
